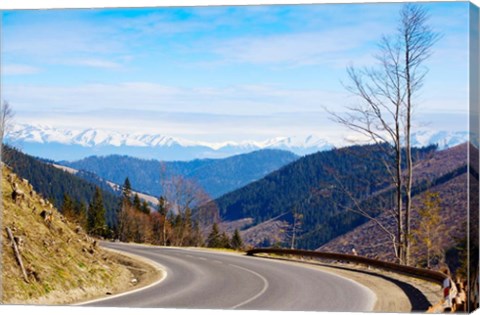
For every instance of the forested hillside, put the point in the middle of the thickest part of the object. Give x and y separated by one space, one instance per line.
215 176
317 190
53 184
447 177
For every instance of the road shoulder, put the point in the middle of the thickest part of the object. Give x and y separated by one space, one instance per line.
143 273
395 292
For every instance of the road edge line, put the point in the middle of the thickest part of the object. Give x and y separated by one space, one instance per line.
154 264
264 289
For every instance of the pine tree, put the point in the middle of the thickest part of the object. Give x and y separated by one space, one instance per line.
137 204
81 214
126 191
236 242
145 207
68 208
213 239
162 210
162 206
224 241
430 230
96 215
197 238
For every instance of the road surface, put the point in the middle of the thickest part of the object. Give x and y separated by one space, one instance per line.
202 279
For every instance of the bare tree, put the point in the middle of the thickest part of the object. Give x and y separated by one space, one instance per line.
384 115
417 39
6 120
181 196
378 120
296 225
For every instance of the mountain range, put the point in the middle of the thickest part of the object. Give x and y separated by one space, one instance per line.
319 188
67 144
313 192
215 176
449 177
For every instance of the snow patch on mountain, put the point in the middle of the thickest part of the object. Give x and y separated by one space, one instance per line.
444 139
57 143
96 137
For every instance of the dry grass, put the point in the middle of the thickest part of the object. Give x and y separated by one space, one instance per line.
370 241
63 266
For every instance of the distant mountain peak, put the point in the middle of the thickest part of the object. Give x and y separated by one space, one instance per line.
99 137
69 144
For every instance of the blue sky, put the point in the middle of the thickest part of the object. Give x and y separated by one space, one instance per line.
216 73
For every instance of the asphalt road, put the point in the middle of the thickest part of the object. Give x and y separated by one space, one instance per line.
210 280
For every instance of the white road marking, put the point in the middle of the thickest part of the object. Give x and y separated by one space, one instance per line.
265 286
149 261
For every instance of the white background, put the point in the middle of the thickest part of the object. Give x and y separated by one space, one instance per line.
43 4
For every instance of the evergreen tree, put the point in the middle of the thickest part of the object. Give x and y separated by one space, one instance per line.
162 210
188 219
236 242
126 191
81 214
96 215
224 241
53 184
427 236
197 238
162 206
145 208
68 208
213 239
188 237
177 224
137 204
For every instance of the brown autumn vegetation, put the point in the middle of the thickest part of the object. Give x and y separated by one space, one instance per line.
452 196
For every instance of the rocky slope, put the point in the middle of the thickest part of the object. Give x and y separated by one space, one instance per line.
62 264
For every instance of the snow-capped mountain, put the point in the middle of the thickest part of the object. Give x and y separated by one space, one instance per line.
89 137
444 139
65 144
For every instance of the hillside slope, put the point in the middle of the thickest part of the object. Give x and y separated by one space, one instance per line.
447 173
53 183
316 188
62 263
215 176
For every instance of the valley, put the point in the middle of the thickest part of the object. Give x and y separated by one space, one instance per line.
281 200
150 153
274 198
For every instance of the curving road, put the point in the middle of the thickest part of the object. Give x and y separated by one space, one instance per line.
210 280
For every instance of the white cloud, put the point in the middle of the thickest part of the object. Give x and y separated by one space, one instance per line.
321 47
252 112
241 100
97 63
19 69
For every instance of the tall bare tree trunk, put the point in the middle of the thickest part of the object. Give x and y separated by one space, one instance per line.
400 232
408 152
418 39
385 115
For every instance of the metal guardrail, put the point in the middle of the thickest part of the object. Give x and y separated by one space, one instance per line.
425 274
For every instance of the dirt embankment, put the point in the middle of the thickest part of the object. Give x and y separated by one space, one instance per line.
61 263
142 274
